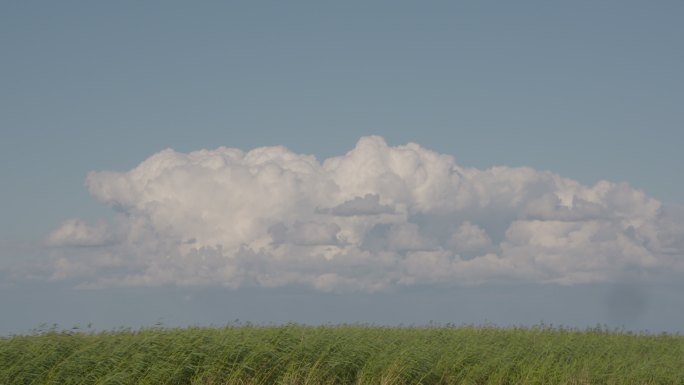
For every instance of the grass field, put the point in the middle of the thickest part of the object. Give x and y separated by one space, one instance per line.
344 354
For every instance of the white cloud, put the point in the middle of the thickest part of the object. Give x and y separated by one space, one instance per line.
374 218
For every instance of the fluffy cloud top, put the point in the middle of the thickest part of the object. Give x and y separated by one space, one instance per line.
374 218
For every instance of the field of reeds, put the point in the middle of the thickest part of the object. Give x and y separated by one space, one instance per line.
344 354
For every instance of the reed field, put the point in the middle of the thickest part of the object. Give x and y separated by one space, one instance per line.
344 354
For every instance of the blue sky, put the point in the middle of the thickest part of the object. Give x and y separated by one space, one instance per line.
589 91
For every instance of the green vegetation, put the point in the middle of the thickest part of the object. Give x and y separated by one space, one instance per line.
345 354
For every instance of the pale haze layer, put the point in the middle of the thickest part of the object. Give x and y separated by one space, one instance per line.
376 218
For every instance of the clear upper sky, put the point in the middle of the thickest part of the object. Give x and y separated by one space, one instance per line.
590 90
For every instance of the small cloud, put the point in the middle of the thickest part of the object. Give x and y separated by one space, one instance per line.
470 240
366 205
305 234
77 233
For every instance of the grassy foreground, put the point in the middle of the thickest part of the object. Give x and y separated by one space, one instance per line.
345 354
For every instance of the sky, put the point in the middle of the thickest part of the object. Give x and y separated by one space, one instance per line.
381 162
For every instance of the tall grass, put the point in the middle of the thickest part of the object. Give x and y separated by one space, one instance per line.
344 354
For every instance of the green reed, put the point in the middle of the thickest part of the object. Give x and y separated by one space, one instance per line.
343 354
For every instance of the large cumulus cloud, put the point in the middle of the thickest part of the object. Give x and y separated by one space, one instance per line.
375 218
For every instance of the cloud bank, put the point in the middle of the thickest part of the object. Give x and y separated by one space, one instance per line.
375 218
